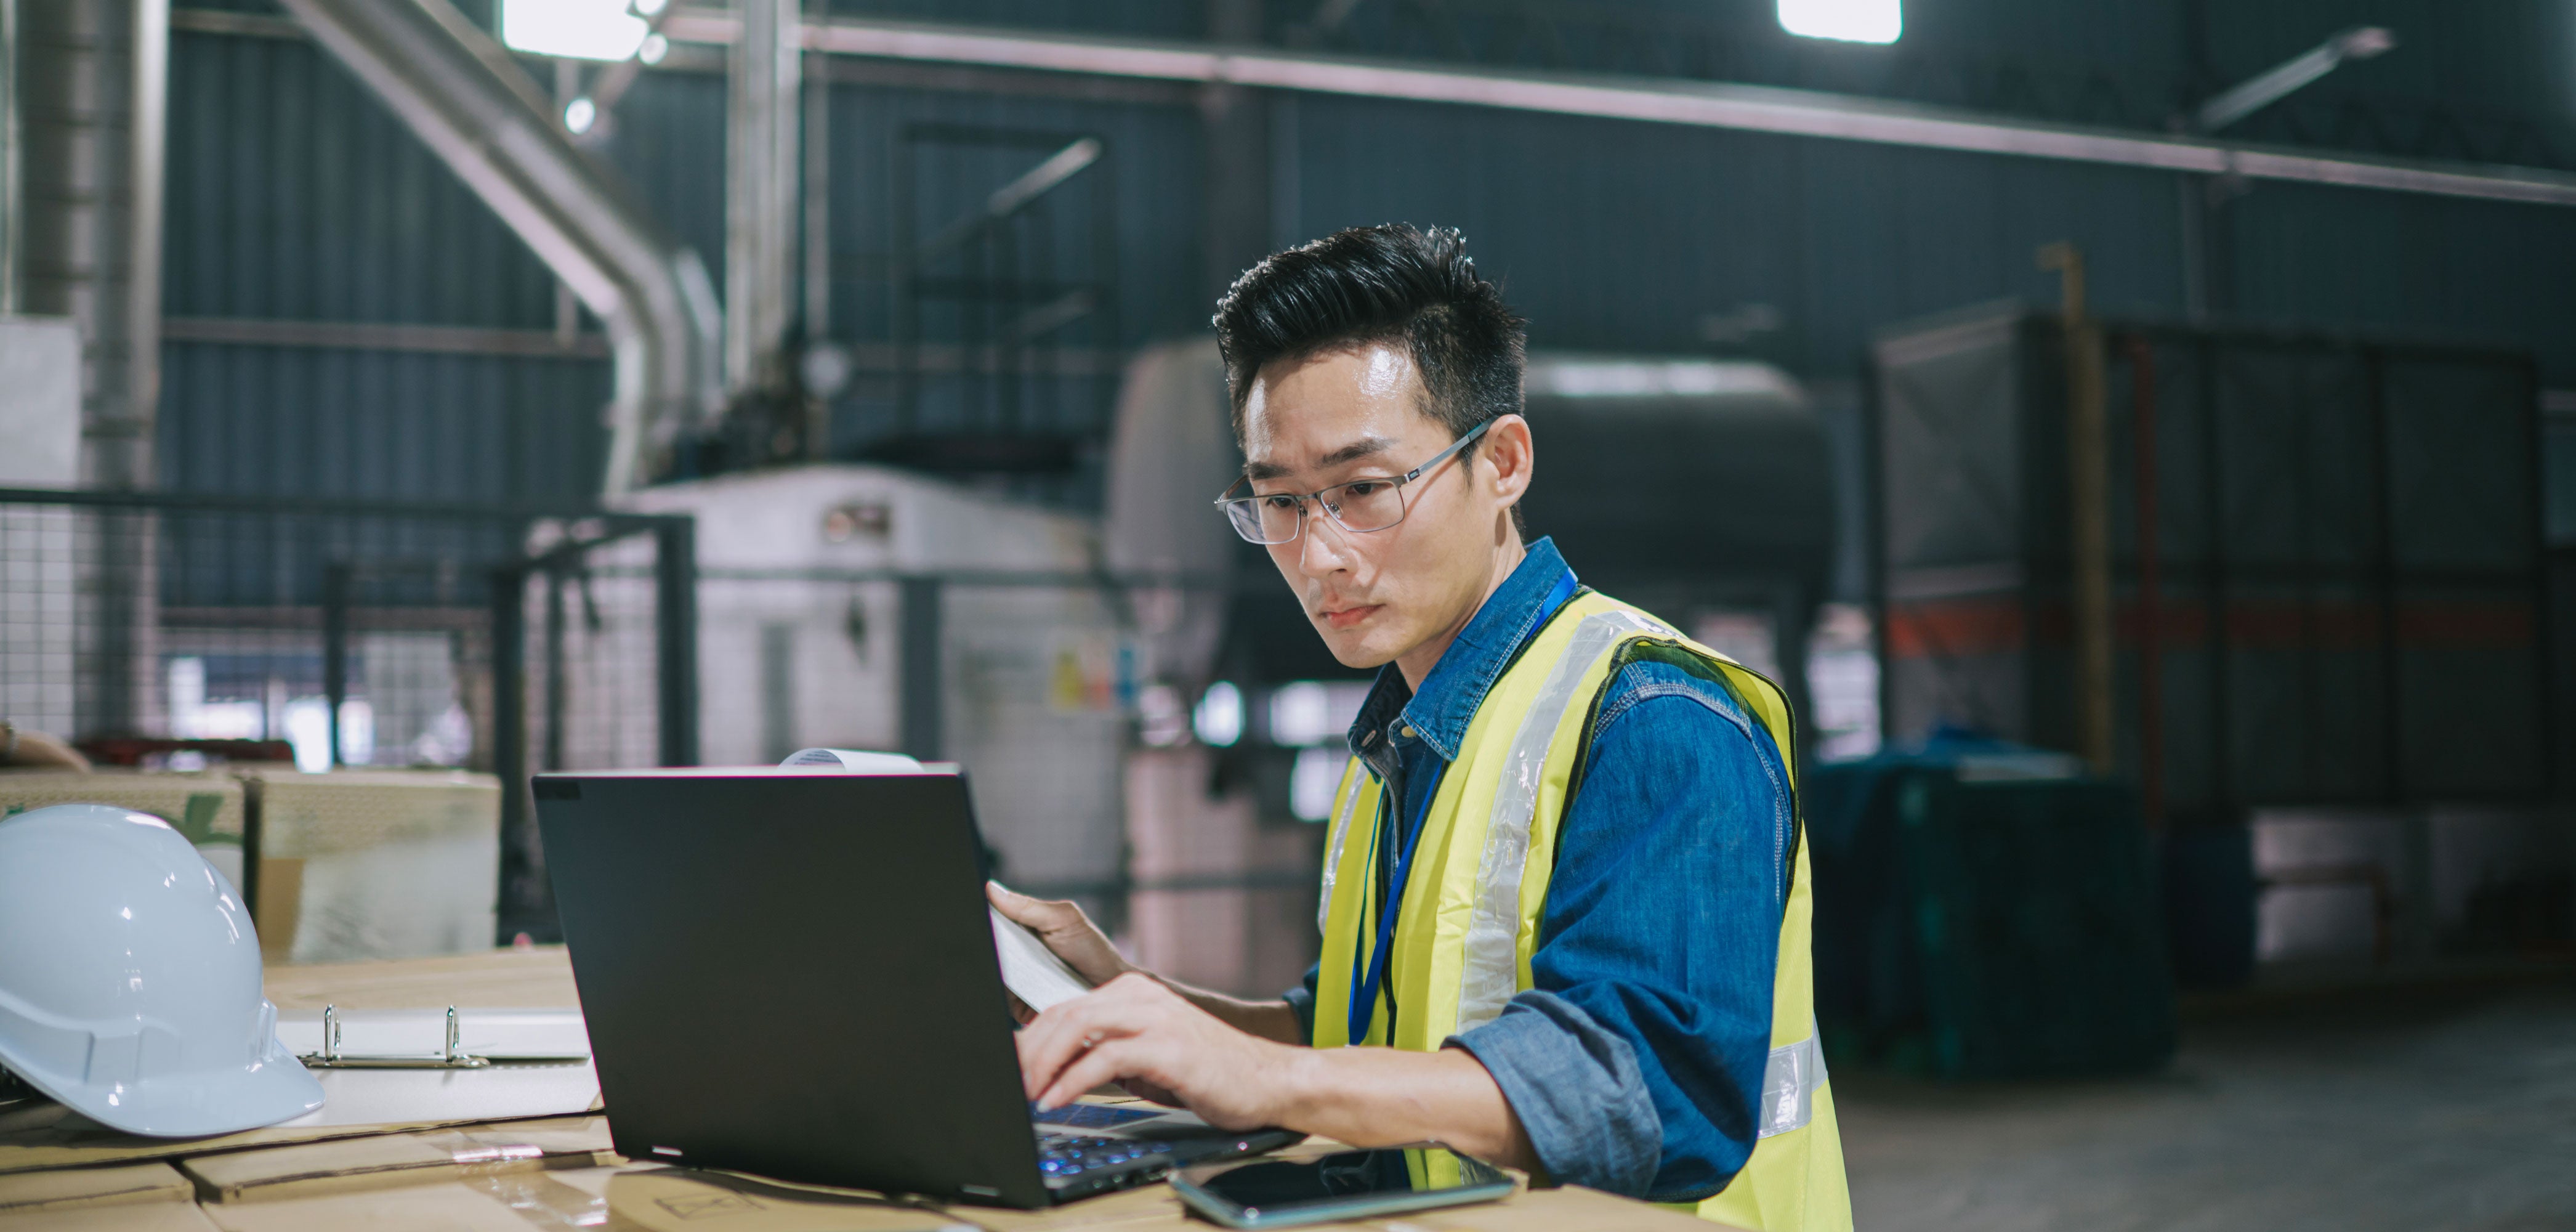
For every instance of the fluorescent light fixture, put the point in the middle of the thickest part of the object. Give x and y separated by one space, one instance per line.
1219 716
1653 378
580 114
573 29
1852 21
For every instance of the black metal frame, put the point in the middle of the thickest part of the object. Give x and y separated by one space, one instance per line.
2220 576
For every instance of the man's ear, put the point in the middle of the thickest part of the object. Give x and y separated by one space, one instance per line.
1507 460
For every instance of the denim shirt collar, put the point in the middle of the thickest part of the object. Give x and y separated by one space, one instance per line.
1438 715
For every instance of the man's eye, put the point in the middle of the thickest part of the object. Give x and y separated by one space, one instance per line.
1280 502
1363 490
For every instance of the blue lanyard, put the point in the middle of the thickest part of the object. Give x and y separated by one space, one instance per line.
1366 984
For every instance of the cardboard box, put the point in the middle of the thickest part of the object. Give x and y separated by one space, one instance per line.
660 1199
663 1199
505 1197
151 1197
158 1217
359 864
62 1189
451 1207
208 808
70 1142
406 1160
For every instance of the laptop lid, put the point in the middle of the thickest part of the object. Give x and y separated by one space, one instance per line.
791 972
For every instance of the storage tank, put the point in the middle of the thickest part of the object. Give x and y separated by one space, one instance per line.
1700 489
1706 477
1171 453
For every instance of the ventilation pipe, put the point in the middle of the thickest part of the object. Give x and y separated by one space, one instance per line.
463 96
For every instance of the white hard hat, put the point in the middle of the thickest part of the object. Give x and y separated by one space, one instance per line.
130 979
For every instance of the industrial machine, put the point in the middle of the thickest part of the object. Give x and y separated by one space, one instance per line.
869 607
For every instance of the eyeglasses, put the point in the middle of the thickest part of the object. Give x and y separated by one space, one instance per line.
1362 505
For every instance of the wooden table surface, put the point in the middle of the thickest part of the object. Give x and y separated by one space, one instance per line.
542 1194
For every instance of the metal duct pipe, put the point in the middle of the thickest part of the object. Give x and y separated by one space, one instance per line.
463 96
90 80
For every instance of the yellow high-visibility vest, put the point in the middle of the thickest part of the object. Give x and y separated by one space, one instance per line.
1469 916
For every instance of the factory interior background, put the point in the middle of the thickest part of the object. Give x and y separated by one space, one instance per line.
2140 438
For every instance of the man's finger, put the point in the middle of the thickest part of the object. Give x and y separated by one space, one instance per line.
1098 1066
1041 914
1060 1035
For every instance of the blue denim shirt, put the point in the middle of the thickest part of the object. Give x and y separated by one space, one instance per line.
1635 1061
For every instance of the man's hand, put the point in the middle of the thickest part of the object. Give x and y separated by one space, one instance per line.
1080 943
1066 930
1143 1035
1136 1031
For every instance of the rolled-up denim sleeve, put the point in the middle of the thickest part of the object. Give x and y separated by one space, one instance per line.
1301 1001
1635 1063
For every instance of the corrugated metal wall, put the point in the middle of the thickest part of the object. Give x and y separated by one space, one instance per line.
1625 236
294 196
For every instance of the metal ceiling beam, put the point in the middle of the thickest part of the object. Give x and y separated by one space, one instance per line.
1761 109
2292 75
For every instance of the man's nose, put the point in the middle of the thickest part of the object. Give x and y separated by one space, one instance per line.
1322 547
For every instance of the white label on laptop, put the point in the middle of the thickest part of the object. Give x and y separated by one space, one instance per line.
1029 969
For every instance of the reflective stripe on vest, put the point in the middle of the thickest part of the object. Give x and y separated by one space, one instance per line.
1790 1078
1492 972
1353 780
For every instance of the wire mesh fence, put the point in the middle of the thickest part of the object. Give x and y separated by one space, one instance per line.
167 631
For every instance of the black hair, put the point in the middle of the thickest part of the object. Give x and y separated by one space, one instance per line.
1380 284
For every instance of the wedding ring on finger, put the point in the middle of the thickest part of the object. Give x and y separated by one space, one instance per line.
1091 1041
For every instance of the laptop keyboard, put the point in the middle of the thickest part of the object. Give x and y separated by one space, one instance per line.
1091 1116
1063 1156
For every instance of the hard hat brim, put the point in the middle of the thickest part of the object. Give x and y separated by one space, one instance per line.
191 1105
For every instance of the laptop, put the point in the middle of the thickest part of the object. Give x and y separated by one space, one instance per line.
792 973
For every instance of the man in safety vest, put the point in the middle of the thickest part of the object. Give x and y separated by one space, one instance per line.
1565 896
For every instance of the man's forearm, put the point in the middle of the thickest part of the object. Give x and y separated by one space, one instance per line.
1271 1020
1385 1097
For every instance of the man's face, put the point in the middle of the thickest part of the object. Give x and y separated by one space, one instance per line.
1353 414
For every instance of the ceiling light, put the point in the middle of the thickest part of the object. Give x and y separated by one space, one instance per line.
579 114
1852 21
573 29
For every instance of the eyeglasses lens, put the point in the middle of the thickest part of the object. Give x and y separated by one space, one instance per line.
1367 505
1370 504
1263 519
